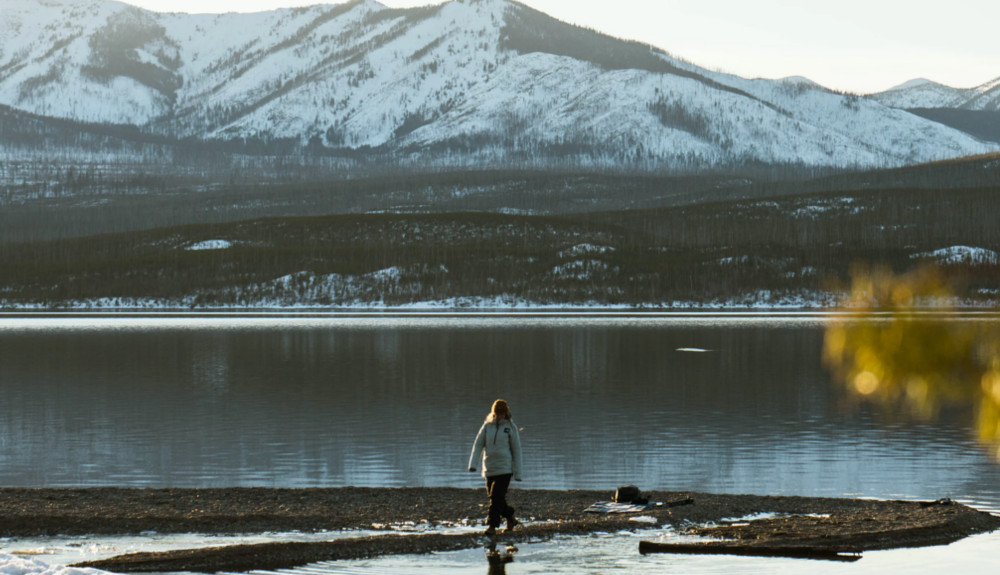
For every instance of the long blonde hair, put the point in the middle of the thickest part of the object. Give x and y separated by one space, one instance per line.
500 409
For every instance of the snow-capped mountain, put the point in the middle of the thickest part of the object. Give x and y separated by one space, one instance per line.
465 83
923 93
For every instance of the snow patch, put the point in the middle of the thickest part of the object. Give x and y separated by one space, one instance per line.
388 274
516 212
579 269
961 255
585 250
914 83
843 205
761 516
800 81
15 565
732 260
210 245
335 292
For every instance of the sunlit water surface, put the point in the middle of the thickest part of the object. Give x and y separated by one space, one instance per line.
708 403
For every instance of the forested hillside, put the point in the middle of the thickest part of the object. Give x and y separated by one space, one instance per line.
786 251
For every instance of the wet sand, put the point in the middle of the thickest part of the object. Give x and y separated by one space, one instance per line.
844 524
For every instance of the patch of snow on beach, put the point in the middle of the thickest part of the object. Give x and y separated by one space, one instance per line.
753 517
15 565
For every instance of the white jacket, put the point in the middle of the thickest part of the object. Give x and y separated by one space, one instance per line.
500 446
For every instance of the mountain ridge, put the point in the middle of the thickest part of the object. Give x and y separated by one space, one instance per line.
467 83
924 93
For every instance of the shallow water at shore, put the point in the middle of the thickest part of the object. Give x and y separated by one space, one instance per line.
618 553
597 554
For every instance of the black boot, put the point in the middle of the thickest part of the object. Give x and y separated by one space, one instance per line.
512 521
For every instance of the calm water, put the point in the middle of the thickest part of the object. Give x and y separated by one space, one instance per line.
396 401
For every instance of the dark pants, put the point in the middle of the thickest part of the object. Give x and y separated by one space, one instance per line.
496 489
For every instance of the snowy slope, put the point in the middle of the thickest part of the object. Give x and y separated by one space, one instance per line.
470 82
922 93
46 54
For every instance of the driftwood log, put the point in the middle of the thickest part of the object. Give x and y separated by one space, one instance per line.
841 535
731 548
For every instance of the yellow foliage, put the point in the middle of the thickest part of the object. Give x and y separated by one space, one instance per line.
898 351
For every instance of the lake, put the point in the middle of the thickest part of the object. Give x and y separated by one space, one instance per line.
719 403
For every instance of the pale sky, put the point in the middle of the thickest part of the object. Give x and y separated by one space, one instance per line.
852 45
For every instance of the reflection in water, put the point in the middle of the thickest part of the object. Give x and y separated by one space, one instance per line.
210 369
498 559
388 402
923 364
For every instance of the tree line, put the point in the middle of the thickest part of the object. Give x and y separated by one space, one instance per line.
747 251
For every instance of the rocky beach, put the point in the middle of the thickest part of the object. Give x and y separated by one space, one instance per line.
769 522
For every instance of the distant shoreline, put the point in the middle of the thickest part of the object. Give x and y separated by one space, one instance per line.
852 524
404 312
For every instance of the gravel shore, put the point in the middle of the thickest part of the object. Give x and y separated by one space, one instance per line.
854 525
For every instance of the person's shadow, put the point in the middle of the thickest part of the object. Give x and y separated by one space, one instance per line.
498 560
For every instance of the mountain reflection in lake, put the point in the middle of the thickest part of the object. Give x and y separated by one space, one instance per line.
726 404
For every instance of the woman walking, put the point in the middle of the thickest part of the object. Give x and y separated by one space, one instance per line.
498 447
